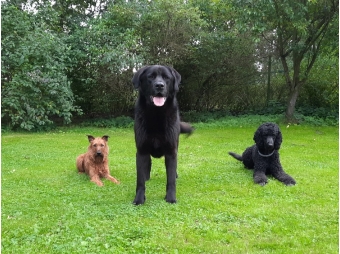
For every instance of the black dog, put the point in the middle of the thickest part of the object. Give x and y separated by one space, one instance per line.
263 157
157 125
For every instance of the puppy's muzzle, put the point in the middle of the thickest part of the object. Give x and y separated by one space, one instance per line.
270 142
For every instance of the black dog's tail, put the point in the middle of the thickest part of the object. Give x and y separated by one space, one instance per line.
236 156
186 128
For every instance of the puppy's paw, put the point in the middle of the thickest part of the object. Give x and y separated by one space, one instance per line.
261 180
290 183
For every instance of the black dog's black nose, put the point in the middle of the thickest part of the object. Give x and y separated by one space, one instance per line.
270 141
159 85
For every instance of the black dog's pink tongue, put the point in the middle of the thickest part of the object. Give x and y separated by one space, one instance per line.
158 101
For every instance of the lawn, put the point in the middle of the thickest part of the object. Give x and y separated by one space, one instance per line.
47 207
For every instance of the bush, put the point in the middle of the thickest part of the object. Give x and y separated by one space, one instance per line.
34 85
119 122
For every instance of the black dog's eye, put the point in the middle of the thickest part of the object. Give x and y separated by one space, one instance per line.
166 77
151 76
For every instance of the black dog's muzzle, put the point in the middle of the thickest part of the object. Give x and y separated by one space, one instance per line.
159 86
270 142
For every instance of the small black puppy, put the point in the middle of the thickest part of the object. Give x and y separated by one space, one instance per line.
263 157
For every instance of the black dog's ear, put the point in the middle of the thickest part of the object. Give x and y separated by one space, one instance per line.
136 78
278 139
90 138
257 136
106 138
177 77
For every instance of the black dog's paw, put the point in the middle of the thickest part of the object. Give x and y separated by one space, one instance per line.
290 183
171 200
261 180
147 178
139 201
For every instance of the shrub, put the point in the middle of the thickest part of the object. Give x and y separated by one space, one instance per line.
119 122
34 85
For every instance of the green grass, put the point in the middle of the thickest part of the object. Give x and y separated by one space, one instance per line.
48 208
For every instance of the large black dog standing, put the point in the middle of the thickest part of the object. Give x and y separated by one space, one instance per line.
157 125
263 157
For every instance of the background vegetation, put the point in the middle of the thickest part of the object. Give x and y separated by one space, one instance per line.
47 207
61 59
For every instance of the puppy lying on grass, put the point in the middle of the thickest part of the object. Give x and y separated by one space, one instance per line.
263 157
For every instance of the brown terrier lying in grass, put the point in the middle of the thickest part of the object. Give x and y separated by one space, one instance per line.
95 162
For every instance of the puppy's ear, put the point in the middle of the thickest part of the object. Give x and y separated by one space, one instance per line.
177 78
257 136
278 139
90 138
136 78
106 138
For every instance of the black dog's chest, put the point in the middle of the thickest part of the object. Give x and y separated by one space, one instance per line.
157 147
159 144
267 163
159 138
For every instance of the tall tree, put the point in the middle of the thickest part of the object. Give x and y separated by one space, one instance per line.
167 29
220 66
299 28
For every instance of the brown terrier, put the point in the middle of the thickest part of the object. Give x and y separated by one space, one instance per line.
95 162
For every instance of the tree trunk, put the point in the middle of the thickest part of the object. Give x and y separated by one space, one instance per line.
294 85
291 106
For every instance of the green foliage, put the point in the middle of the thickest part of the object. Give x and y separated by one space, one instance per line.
167 30
62 56
317 116
47 207
106 50
118 122
34 85
296 30
322 87
272 113
221 66
204 117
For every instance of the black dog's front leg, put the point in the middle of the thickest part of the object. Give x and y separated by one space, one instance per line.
171 172
260 175
282 176
143 164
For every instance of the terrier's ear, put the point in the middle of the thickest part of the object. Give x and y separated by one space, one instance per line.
90 138
106 138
